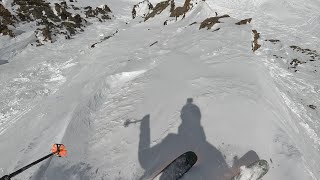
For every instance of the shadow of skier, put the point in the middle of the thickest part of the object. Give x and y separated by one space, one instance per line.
191 137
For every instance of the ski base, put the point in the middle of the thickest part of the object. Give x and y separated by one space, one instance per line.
177 168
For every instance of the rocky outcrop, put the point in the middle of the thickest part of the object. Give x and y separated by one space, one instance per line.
308 55
312 53
256 36
102 13
174 11
158 9
168 5
6 19
180 11
209 22
141 9
295 62
245 21
52 19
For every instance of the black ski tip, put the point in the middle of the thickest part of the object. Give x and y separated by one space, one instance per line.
191 157
178 167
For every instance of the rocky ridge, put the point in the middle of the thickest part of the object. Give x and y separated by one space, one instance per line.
50 19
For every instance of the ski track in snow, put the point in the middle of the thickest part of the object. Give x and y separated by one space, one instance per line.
81 96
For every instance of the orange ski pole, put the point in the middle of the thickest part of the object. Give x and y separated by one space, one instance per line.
57 149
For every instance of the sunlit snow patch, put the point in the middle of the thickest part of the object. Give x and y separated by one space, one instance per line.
312 134
121 78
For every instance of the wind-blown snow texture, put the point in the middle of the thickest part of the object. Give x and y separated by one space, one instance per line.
199 90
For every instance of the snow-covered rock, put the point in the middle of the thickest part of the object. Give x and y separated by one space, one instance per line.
141 9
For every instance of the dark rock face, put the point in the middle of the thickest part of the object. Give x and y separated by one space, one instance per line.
209 22
174 11
6 19
295 62
179 11
245 21
134 11
158 9
256 36
49 23
304 56
182 11
100 12
313 53
51 19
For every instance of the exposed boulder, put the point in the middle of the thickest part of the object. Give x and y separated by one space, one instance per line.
6 19
61 11
209 22
307 56
256 36
295 62
158 9
181 11
312 53
102 12
245 21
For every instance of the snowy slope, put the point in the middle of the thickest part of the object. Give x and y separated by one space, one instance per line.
182 88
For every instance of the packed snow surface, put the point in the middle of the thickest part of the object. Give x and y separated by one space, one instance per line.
127 106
